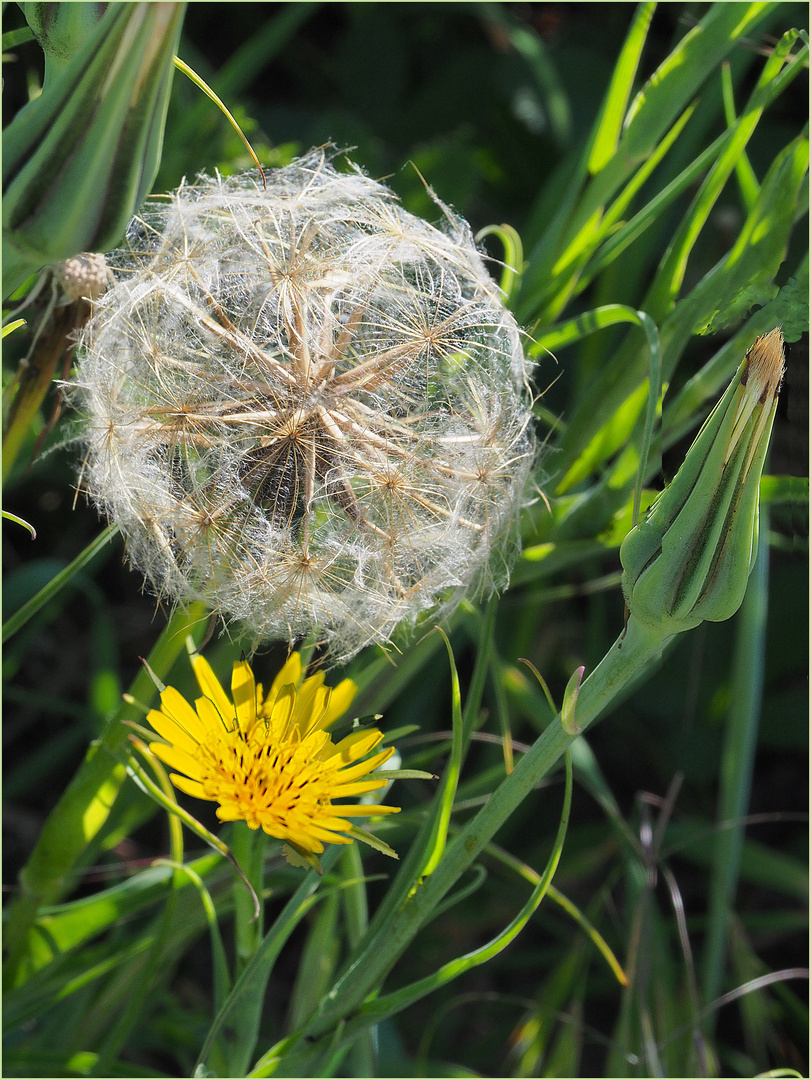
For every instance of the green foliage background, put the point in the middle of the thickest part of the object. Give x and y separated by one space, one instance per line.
492 105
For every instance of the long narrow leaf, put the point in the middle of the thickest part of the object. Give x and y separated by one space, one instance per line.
57 583
612 116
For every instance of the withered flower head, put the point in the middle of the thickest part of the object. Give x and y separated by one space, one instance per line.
305 406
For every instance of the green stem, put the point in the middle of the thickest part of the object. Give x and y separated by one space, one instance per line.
253 980
363 1054
85 805
633 651
249 848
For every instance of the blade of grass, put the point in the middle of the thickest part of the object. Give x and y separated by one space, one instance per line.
669 278
747 181
317 964
736 773
606 442
727 287
202 85
630 655
484 647
563 902
655 108
788 309
16 621
363 1055
450 778
117 1035
249 847
392 1003
609 124
635 227
529 45
86 803
259 967
432 833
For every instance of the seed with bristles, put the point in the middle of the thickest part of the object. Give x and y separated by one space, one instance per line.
305 406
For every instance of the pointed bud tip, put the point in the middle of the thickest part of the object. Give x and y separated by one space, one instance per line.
765 365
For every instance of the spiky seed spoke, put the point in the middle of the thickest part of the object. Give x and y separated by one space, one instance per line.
336 352
234 338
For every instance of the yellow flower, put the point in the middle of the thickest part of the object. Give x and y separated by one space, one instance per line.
270 760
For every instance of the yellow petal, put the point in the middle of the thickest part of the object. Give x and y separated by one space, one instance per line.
176 708
364 810
177 759
357 744
317 745
360 787
309 715
331 837
190 787
212 720
243 690
312 847
363 767
170 730
310 701
210 685
340 700
290 673
333 824
297 835
280 711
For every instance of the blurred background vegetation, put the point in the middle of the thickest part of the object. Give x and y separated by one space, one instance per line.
483 102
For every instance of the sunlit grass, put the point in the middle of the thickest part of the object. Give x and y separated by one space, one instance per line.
669 234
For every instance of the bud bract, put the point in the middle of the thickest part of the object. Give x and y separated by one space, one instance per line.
79 159
691 557
61 29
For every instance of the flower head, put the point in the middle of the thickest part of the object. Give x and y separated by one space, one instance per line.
269 760
306 407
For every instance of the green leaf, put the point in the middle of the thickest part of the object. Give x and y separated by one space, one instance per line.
373 841
20 521
747 181
77 163
85 805
745 276
663 98
17 37
58 582
788 309
670 276
609 126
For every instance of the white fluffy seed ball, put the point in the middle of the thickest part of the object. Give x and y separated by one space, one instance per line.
305 406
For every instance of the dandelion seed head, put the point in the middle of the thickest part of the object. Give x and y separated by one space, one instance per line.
306 407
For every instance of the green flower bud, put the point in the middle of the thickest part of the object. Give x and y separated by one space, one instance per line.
690 559
61 29
79 159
